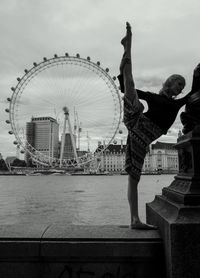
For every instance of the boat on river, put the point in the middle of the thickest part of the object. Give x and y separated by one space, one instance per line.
45 172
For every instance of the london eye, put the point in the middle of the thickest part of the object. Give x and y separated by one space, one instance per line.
80 100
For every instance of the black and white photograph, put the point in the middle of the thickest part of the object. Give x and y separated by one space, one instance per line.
100 139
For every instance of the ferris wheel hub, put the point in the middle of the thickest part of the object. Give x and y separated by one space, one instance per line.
66 110
75 79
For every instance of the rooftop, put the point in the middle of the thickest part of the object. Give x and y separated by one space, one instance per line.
163 145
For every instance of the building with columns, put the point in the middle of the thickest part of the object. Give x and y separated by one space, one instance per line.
160 157
112 159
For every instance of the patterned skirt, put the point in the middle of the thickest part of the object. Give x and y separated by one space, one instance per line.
141 133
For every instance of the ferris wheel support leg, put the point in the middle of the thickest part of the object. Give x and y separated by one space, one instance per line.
63 141
73 141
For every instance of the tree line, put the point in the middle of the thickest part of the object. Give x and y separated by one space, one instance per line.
16 163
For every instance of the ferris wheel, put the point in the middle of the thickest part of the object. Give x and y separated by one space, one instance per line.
64 111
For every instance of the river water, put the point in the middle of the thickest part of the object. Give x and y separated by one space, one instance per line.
78 200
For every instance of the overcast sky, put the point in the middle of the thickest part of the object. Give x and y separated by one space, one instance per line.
165 41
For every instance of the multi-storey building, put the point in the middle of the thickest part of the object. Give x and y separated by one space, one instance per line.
164 157
161 156
43 134
112 159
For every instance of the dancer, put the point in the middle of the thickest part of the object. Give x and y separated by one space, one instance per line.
144 128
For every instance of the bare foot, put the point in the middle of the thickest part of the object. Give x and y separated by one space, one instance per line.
126 42
142 226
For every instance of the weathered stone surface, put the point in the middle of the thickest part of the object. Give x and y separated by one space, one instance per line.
22 231
80 251
191 116
21 269
177 211
179 226
65 231
103 270
189 153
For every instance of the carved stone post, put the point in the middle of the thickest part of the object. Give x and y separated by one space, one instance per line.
177 211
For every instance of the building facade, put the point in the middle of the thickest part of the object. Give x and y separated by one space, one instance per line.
160 157
112 159
43 134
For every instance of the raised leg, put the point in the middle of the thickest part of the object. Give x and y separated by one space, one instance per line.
126 42
126 67
131 95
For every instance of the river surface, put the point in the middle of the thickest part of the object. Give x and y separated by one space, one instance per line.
78 200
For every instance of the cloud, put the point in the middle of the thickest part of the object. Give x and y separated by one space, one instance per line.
165 40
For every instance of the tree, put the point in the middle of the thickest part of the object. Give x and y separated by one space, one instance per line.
3 166
19 163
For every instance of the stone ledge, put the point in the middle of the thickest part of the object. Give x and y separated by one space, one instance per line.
96 250
59 250
71 241
106 232
64 231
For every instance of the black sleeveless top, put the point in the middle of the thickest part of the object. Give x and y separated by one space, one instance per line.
161 110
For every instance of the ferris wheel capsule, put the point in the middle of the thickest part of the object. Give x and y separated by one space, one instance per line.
13 89
120 131
7 121
8 99
26 71
18 78
66 110
7 110
46 70
10 132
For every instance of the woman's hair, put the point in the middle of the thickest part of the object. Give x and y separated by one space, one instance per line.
170 80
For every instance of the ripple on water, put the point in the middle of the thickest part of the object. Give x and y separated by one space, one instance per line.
86 200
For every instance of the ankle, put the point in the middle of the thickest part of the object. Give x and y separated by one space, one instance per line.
135 220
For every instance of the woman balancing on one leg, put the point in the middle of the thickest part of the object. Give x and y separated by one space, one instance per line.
144 128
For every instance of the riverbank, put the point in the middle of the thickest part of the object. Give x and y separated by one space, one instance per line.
61 250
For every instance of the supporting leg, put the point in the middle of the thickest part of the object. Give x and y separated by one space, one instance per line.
131 95
133 203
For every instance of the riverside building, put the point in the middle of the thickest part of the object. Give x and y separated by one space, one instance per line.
160 157
43 134
112 159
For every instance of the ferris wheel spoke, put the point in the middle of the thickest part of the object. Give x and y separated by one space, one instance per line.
86 86
88 92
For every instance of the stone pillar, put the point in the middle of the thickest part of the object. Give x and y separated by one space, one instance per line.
177 211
